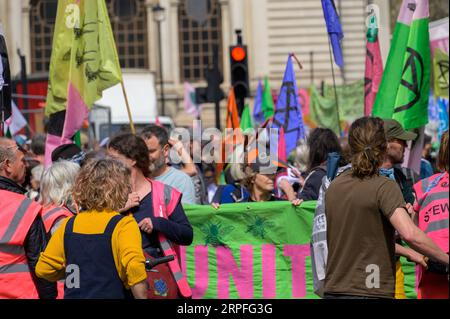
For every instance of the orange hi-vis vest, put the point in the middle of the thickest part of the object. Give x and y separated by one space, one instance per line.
17 214
165 199
51 214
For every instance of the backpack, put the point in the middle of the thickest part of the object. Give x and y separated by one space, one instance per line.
319 245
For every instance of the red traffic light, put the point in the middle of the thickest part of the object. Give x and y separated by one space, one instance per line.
238 54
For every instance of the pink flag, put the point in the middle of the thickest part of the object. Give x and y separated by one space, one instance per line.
374 66
282 156
190 105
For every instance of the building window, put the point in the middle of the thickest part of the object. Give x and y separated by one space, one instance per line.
197 41
128 21
129 26
42 21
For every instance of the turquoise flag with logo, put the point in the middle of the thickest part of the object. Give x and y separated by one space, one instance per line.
405 86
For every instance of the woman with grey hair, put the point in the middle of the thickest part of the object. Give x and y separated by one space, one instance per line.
56 198
55 193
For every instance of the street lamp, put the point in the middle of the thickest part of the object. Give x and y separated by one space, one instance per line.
159 16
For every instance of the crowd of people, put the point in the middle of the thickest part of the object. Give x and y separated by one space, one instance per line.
108 210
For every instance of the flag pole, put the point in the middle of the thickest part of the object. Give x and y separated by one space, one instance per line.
2 115
133 130
334 87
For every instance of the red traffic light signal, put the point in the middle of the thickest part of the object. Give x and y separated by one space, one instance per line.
238 54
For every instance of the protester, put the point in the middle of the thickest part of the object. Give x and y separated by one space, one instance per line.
321 142
70 152
211 186
397 139
157 140
198 179
56 198
157 209
426 168
375 206
104 245
56 194
22 233
35 181
432 207
256 182
38 147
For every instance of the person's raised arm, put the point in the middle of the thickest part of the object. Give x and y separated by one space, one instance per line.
188 166
415 237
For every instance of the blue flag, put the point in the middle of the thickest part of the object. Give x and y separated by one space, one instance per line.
334 30
288 113
443 116
258 114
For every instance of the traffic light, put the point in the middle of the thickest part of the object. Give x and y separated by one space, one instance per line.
239 74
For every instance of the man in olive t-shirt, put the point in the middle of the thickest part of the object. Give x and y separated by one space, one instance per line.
360 236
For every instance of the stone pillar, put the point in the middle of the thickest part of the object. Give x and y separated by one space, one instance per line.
13 30
26 41
152 38
226 40
174 50
257 40
166 42
384 34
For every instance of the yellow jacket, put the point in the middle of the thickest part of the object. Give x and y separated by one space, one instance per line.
126 247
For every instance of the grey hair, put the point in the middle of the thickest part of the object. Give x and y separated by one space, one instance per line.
6 151
301 156
57 182
37 171
236 160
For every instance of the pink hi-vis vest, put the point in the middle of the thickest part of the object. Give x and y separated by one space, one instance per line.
433 205
165 199
17 214
51 214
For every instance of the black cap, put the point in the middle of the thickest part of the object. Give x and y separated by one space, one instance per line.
65 152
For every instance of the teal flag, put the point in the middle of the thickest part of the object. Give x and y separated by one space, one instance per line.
405 86
254 251
351 105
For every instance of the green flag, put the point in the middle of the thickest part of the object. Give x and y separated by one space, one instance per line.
268 107
404 89
255 250
246 119
440 73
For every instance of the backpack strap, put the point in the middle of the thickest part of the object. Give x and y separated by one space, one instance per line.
160 196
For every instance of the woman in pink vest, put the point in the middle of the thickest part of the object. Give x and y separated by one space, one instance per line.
55 196
160 216
432 205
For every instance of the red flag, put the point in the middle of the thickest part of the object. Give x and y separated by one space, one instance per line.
374 66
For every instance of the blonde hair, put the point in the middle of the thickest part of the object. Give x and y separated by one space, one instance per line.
103 184
56 183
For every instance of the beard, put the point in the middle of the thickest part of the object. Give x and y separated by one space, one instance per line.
157 165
